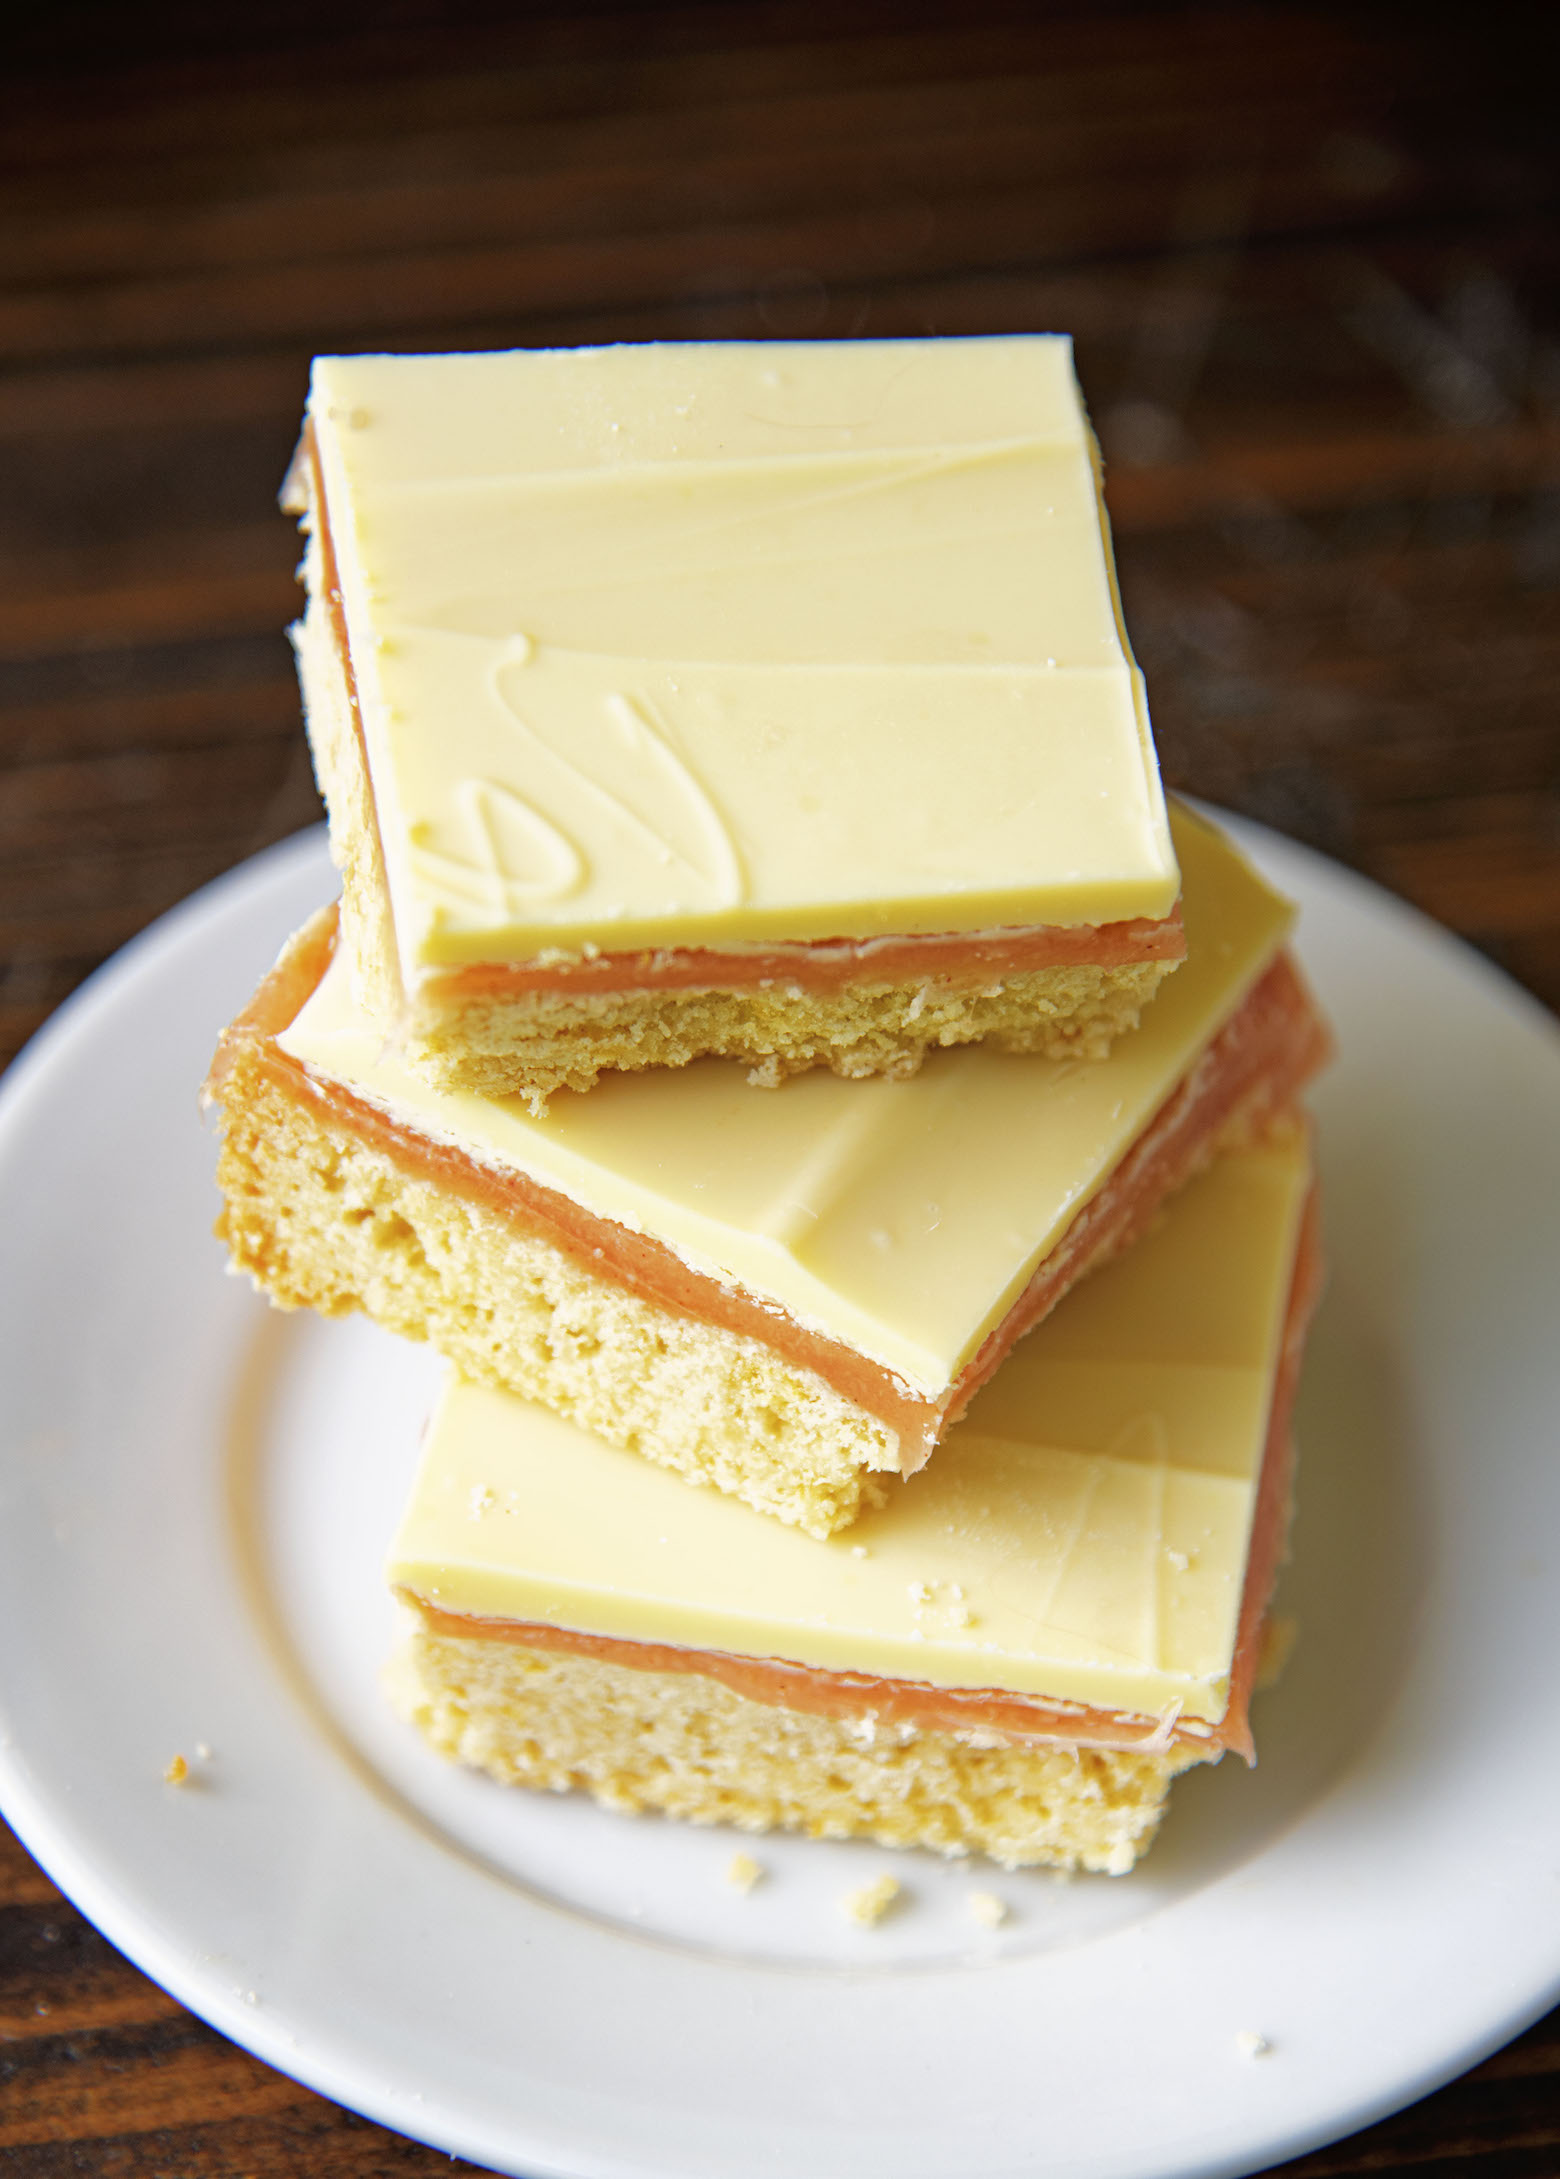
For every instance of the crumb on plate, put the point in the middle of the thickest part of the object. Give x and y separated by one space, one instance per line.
872 1901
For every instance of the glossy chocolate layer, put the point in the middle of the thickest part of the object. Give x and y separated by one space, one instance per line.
1083 1537
902 1220
725 644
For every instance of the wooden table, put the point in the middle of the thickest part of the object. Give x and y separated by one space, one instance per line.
1309 256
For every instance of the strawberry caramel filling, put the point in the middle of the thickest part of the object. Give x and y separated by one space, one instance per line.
994 1711
1249 1074
828 964
814 965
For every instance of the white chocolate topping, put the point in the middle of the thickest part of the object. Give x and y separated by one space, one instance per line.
1081 1536
727 643
900 1218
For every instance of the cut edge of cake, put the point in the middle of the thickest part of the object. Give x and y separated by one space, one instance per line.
678 1744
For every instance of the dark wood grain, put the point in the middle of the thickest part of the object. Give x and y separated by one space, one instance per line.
1310 258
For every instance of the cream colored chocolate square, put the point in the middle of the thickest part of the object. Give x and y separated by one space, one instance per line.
762 699
1014 1657
711 643
1081 1537
901 1219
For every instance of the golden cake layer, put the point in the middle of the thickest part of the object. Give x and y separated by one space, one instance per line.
1015 1655
763 699
787 1292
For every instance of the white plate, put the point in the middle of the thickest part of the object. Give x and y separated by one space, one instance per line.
194 1496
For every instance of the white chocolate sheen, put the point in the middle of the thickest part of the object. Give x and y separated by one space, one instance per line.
1082 1536
901 1218
734 643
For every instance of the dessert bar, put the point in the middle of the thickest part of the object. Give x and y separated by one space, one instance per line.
787 1293
1016 1656
766 699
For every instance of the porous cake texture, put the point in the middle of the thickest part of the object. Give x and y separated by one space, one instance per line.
683 1745
870 776
872 1025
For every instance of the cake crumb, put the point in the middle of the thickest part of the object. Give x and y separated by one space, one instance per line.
1252 2045
743 1872
177 1772
872 1901
988 1909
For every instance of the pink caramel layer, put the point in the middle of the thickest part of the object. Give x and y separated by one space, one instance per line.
830 964
817 965
1007 1717
1250 1073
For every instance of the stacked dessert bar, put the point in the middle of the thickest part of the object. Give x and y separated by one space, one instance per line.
775 1038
